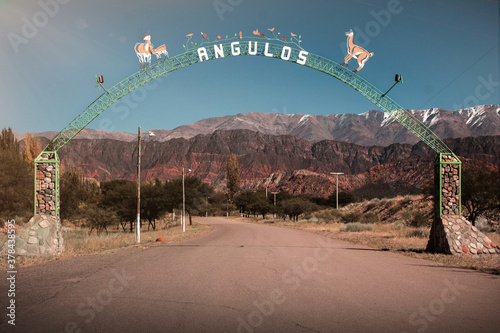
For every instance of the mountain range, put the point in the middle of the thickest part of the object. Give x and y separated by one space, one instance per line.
293 153
367 129
285 163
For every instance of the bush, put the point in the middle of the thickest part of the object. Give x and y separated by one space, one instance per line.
369 218
351 217
356 227
415 219
406 200
418 233
483 225
99 218
373 203
327 216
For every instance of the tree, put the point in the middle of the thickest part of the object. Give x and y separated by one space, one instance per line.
31 149
16 181
296 206
244 200
153 202
261 205
195 192
121 197
233 175
8 141
479 190
219 204
75 191
99 218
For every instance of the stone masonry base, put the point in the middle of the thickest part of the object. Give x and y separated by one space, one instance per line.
39 237
453 234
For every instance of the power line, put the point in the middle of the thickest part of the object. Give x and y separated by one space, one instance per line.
440 91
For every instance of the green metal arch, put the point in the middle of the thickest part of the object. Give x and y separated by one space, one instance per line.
191 57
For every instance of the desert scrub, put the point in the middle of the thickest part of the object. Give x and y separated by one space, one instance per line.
372 204
369 218
328 216
356 227
352 217
414 218
483 225
417 232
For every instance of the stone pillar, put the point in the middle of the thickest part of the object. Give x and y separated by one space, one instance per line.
451 233
449 181
47 184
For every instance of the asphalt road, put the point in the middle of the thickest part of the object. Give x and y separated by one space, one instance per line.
251 278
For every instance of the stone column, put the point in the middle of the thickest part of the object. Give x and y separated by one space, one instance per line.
450 168
47 184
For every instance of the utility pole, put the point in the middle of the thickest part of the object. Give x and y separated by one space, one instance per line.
206 207
138 223
274 215
183 204
337 191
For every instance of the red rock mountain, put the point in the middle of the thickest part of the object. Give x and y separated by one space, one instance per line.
280 162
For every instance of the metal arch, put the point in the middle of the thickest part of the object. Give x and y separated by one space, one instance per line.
191 57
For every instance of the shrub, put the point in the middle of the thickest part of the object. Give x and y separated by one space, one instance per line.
327 216
99 218
372 204
415 219
418 233
394 209
483 225
351 217
356 227
369 218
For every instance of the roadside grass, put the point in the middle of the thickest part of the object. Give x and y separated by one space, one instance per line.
77 241
400 225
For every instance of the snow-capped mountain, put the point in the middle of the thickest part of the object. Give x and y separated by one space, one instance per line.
369 128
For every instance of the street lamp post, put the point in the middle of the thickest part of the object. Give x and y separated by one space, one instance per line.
337 190
138 223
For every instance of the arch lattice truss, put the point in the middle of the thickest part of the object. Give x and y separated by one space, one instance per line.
253 47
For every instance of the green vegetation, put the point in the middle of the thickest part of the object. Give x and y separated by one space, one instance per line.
16 178
115 202
352 217
356 227
255 203
415 218
480 191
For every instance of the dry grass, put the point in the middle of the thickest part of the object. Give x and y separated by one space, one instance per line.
77 241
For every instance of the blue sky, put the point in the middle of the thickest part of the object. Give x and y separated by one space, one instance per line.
51 50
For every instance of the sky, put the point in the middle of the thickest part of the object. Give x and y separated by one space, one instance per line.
51 50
